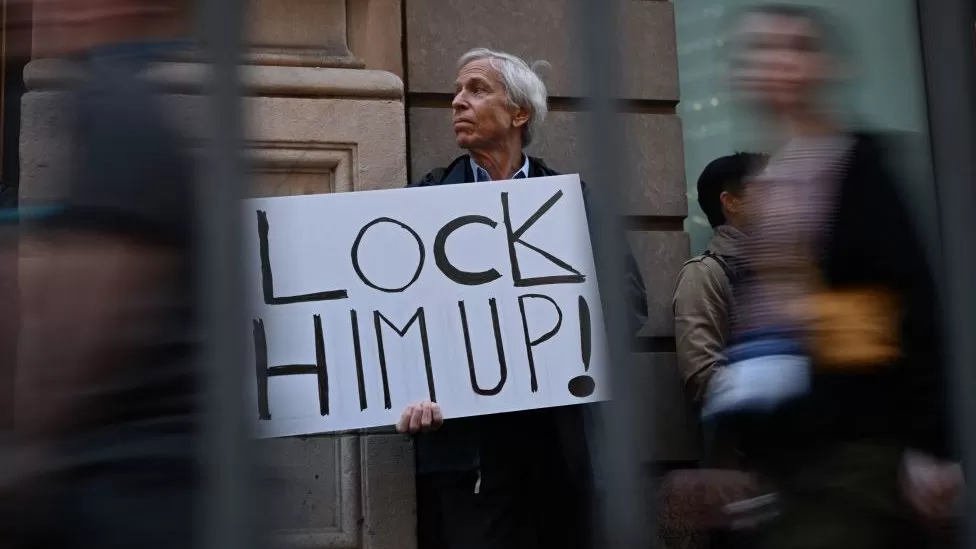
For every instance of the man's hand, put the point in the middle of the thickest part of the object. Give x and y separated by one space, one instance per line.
422 417
933 488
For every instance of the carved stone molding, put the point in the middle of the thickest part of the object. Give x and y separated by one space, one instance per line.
190 78
299 33
295 168
352 34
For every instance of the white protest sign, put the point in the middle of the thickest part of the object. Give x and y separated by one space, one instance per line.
482 297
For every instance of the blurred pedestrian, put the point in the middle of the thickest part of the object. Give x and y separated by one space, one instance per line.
106 411
836 370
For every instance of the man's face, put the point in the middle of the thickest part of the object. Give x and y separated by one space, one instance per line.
777 61
482 112
733 207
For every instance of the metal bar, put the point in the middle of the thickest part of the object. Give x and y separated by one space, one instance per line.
228 496
626 519
946 28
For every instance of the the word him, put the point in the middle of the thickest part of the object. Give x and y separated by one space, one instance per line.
580 386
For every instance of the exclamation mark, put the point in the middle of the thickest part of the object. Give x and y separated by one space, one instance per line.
583 386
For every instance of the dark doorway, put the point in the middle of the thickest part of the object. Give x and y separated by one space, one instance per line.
15 52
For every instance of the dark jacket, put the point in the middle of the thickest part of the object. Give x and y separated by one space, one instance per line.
455 446
873 244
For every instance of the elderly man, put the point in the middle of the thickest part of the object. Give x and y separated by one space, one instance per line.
517 480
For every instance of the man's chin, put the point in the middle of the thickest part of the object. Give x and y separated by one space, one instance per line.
465 142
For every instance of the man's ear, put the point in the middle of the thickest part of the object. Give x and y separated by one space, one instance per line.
729 201
521 117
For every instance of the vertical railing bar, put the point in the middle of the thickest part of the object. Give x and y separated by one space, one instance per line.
626 519
228 521
950 85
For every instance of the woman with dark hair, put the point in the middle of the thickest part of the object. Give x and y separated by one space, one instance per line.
835 376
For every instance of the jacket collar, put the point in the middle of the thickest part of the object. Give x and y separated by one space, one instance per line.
459 171
523 171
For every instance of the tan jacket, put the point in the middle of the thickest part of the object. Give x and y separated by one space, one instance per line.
702 304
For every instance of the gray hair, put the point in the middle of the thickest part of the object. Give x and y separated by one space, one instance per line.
522 82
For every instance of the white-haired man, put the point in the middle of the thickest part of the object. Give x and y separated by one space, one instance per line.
523 479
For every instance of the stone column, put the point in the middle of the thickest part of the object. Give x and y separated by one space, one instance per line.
319 119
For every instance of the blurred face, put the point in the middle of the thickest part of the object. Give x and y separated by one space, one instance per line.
777 61
64 27
483 116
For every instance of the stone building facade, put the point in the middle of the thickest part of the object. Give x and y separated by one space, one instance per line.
347 95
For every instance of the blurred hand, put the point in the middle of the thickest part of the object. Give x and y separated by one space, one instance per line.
933 488
422 417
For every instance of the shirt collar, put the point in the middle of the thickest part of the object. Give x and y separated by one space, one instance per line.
481 174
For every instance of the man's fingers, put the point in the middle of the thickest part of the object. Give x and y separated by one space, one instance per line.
922 501
403 426
932 488
932 503
421 417
415 419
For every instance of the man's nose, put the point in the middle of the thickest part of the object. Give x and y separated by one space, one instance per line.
459 102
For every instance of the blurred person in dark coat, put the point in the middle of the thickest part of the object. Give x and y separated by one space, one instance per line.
106 413
836 368
520 480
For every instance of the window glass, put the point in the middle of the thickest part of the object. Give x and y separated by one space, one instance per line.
886 91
